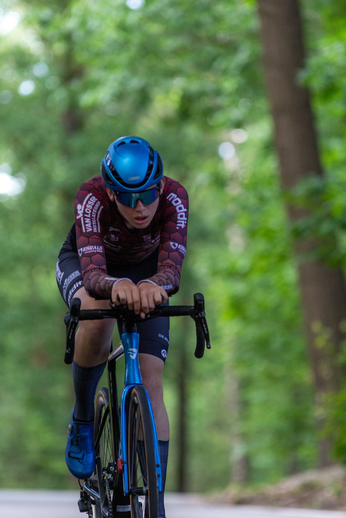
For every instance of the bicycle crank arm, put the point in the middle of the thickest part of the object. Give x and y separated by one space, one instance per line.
91 492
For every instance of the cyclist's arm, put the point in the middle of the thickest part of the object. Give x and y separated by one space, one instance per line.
90 208
173 240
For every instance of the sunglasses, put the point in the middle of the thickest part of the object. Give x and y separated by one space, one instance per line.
129 199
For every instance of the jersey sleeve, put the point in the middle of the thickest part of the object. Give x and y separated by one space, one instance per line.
89 217
173 240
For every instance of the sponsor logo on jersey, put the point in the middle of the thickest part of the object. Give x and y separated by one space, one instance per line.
89 214
176 246
90 250
164 353
179 207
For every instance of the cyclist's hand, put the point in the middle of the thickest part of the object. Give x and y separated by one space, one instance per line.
150 296
126 293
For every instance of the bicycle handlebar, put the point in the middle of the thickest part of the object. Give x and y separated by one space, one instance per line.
196 312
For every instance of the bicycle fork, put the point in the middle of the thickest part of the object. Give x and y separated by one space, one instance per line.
133 378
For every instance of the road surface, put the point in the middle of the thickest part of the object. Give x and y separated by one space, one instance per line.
63 504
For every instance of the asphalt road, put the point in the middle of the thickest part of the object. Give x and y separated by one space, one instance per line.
63 504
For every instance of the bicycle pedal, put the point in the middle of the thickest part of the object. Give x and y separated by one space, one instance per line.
83 505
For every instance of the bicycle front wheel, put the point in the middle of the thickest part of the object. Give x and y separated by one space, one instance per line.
141 457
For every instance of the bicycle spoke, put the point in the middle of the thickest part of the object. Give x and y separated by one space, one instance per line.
105 462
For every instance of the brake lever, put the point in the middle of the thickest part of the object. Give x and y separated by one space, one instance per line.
206 331
199 306
202 331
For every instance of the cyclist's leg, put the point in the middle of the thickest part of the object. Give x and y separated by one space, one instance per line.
92 345
93 337
152 370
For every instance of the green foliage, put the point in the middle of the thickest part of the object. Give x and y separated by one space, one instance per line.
325 75
185 76
336 424
321 197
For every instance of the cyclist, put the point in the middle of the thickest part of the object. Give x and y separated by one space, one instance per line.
127 246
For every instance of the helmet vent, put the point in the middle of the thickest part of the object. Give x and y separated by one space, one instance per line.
106 178
151 159
159 168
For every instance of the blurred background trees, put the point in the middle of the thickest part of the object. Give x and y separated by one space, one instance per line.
73 77
321 281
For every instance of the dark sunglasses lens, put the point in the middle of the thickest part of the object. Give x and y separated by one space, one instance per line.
130 198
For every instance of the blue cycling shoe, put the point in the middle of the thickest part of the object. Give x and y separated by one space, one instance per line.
80 453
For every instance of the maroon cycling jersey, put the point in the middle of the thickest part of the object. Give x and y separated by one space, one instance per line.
103 239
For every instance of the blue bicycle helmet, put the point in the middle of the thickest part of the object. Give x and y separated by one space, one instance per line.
131 165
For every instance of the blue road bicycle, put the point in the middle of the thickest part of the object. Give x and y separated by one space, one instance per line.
127 476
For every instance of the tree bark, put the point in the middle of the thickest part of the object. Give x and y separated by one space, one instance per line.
322 287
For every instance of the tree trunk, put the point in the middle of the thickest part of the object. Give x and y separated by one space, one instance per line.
322 287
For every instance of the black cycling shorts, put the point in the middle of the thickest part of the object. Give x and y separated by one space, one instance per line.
154 334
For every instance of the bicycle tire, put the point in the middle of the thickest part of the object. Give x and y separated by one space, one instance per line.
105 458
141 457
